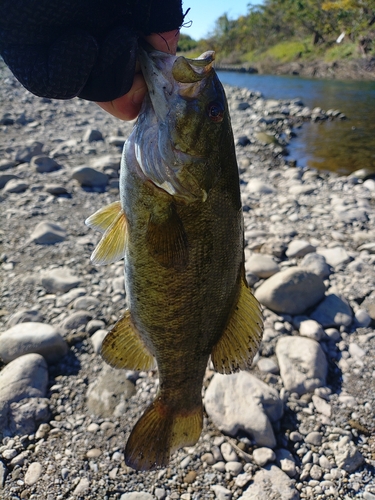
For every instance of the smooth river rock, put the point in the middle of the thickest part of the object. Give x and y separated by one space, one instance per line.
25 338
241 402
292 291
334 310
47 233
59 280
302 362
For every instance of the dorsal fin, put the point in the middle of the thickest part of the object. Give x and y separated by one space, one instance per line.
240 341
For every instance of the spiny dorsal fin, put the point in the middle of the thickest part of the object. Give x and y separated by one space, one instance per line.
160 431
239 343
166 239
111 247
104 217
123 347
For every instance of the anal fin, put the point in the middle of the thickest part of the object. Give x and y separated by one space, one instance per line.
159 432
240 341
111 221
123 347
166 239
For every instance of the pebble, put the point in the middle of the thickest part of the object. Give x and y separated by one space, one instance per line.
33 473
82 487
271 483
335 256
25 153
221 493
299 248
3 472
89 177
92 135
314 438
228 453
322 406
44 164
15 186
263 455
48 233
346 454
241 402
59 280
333 311
234 468
267 365
29 337
291 291
316 264
262 265
5 178
302 362
25 316
75 321
311 329
97 340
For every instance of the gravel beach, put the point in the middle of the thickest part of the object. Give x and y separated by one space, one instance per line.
299 424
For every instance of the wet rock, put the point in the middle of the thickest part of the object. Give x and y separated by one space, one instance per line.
26 338
44 164
241 402
271 483
89 177
48 233
333 311
302 362
59 280
109 394
292 291
24 378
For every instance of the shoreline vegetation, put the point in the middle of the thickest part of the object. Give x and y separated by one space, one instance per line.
310 38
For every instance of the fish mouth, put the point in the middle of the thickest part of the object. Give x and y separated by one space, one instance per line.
161 157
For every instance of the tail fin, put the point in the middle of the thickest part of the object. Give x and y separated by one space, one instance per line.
159 432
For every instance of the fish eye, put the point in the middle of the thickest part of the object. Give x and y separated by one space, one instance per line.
215 111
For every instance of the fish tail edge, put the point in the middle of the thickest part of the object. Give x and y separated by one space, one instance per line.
159 432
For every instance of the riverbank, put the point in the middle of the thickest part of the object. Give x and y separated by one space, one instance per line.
306 429
353 69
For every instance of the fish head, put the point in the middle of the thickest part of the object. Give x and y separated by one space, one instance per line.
183 125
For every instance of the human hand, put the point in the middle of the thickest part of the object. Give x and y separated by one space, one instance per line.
128 106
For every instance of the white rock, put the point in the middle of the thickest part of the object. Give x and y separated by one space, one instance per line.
241 402
302 362
311 329
347 456
263 455
97 340
322 406
262 265
25 338
335 256
257 186
59 280
271 483
48 233
15 186
221 493
333 311
363 318
316 264
299 248
33 473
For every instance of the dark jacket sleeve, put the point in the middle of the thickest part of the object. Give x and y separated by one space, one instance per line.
87 48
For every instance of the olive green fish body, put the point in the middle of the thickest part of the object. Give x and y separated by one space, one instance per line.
180 228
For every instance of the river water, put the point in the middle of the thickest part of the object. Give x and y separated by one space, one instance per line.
340 146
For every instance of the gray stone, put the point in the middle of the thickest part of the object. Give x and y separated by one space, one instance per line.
25 338
27 152
335 256
107 162
68 297
94 325
311 329
363 318
86 302
302 189
286 462
117 140
262 265
346 454
299 248
15 186
6 164
316 263
5 178
27 415
44 164
56 189
89 177
333 311
257 186
221 493
267 365
77 320
241 402
111 390
292 291
25 377
82 487
59 280
92 135
48 233
322 406
3 473
33 473
263 455
302 362
25 317
314 438
271 483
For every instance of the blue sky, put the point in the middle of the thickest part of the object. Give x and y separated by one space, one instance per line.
204 13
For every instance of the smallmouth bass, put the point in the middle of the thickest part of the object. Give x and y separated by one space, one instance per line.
179 225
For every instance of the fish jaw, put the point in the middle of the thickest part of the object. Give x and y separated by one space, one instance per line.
173 134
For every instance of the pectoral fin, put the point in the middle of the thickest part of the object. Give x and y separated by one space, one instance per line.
166 239
111 221
123 347
240 341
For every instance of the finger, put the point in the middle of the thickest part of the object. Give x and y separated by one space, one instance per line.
127 107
